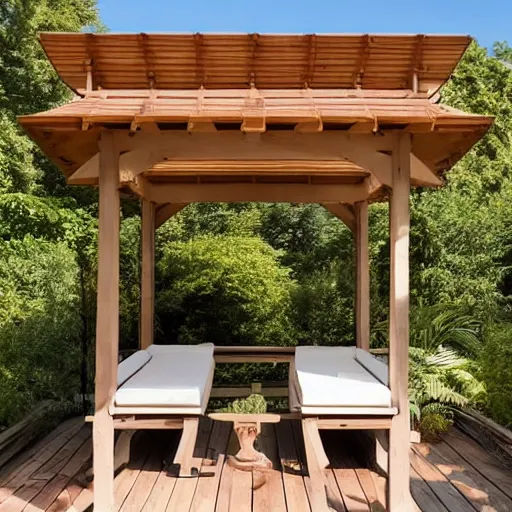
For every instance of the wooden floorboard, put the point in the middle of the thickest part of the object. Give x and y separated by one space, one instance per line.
295 489
268 493
443 489
185 488
484 462
164 484
205 497
454 475
483 495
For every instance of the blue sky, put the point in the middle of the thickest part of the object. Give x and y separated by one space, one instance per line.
488 21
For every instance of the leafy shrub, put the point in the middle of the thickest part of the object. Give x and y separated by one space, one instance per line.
253 404
223 289
432 424
496 365
439 381
40 325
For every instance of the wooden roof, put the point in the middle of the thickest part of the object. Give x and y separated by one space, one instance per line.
68 134
324 109
235 61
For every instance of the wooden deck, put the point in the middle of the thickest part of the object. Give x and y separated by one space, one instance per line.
455 475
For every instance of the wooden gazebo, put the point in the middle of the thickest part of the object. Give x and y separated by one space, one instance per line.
340 120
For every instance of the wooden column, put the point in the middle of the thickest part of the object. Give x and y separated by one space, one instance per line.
147 288
107 324
399 498
362 277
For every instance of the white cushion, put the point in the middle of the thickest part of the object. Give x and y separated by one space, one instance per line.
176 375
332 377
377 368
131 365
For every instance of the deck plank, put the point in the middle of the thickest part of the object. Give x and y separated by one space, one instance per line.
184 490
18 463
316 486
164 485
226 482
147 477
351 491
53 489
205 497
485 463
380 486
61 458
376 503
20 494
294 485
66 497
423 495
449 495
334 497
485 495
125 480
21 475
268 493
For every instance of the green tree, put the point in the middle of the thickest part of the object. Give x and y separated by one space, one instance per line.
225 290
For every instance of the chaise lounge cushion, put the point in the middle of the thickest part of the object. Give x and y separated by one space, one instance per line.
332 377
176 376
131 365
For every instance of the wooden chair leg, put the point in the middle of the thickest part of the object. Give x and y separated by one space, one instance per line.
122 449
185 453
317 461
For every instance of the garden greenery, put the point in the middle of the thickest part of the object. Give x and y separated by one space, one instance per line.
251 273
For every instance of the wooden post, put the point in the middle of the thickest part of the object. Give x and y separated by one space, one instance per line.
107 324
399 498
147 288
363 277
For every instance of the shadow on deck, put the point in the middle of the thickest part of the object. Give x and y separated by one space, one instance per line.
454 475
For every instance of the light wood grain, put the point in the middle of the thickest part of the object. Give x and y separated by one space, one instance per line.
362 277
398 471
107 324
147 275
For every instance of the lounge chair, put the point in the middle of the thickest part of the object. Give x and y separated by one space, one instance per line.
164 386
337 388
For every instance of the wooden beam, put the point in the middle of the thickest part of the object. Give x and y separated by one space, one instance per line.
398 471
142 150
259 192
107 323
147 274
362 277
166 211
344 212
368 423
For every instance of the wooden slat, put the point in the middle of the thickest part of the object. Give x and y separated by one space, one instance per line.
66 498
294 485
183 494
29 462
207 488
462 476
424 496
146 479
141 446
17 497
164 485
449 496
313 460
481 460
269 495
227 61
